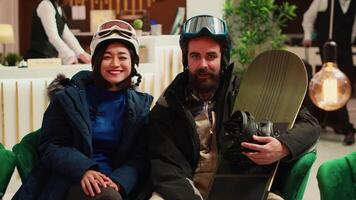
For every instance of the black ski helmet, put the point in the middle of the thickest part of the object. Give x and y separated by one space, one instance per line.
206 25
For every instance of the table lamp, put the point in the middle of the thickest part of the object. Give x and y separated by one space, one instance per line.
6 36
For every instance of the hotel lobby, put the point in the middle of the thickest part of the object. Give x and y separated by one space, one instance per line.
23 85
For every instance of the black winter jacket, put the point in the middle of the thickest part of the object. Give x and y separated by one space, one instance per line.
65 144
174 142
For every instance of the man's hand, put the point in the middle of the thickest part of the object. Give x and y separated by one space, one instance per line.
307 43
92 180
269 152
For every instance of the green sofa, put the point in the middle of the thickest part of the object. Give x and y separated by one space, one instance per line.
337 178
292 178
26 154
7 166
291 182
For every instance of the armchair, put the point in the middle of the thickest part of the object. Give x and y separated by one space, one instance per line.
292 178
337 178
26 154
7 166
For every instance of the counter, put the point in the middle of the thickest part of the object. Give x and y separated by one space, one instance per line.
23 98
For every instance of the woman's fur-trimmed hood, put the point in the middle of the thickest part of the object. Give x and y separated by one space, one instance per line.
59 83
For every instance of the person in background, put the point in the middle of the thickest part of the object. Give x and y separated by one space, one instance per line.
92 137
317 18
51 37
186 124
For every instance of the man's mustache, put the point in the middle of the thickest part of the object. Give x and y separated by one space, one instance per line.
204 71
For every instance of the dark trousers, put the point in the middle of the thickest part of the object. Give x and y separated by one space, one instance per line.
76 193
338 120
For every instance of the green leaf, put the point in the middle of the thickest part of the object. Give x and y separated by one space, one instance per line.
255 26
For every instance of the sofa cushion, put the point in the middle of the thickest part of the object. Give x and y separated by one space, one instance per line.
7 166
26 154
351 161
335 179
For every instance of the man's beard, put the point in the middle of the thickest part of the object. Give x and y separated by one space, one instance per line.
208 85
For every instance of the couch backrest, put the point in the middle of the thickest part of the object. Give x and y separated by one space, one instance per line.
7 166
27 154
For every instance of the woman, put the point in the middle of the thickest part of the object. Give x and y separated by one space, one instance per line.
51 36
91 141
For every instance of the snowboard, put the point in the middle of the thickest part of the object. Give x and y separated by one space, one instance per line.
273 88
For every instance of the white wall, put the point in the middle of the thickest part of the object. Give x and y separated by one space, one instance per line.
9 15
211 7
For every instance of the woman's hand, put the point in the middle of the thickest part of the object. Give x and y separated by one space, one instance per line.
85 58
92 180
307 43
112 184
71 60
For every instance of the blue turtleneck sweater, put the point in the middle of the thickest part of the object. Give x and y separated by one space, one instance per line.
107 118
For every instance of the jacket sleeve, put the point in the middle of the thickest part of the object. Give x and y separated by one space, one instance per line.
56 147
304 134
171 171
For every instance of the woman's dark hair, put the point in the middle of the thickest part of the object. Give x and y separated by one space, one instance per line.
96 65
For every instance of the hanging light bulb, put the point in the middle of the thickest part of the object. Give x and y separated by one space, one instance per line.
329 89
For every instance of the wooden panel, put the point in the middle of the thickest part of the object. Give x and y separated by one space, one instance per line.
162 11
26 8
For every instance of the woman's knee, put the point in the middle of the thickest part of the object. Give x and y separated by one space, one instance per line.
76 192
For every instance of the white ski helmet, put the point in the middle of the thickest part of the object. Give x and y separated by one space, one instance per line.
115 30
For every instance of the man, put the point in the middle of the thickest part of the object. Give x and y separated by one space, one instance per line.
344 30
186 124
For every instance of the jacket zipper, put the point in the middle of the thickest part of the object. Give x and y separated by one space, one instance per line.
193 133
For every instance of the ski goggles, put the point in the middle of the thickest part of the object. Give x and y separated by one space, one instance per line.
116 26
213 24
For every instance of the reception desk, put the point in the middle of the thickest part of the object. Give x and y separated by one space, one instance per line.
23 97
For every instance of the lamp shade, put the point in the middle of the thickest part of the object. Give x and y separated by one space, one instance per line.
6 34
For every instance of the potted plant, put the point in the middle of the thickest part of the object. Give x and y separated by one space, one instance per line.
255 26
11 59
138 24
